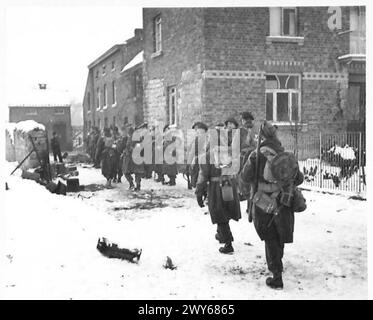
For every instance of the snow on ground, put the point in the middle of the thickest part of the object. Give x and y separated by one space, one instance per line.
346 152
50 249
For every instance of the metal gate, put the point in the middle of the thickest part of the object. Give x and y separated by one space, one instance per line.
333 162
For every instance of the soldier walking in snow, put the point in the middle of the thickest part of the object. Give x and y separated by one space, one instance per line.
100 145
194 151
109 166
120 143
129 166
273 212
247 142
168 169
221 190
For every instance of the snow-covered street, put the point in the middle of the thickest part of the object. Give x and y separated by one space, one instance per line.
50 248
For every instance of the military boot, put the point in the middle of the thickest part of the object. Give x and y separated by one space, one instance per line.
275 282
227 249
138 184
172 181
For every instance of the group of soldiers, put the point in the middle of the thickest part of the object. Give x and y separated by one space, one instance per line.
267 179
112 151
267 197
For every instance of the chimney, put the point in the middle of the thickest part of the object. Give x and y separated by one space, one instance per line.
42 86
138 33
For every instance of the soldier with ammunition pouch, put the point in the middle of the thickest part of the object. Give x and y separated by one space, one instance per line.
220 186
276 175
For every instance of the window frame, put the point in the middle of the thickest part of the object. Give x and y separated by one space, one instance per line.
290 98
105 97
113 94
157 34
357 41
32 112
98 99
295 22
59 112
172 118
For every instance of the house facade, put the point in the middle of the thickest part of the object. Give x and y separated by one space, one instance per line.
113 94
288 65
48 107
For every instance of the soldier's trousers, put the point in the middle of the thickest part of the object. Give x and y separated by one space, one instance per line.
224 232
130 179
274 250
57 154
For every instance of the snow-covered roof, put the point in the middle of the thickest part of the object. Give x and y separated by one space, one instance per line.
26 126
136 60
38 98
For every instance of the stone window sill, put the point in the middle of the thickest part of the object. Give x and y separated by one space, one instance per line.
114 105
285 39
287 125
156 54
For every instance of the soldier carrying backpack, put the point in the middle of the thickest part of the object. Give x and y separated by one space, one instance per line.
275 174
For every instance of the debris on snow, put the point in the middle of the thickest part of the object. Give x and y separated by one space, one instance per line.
111 250
169 264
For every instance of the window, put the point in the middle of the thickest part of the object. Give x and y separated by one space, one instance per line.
137 84
99 123
283 21
105 122
98 100
112 65
89 101
105 96
103 70
89 125
114 121
96 74
289 22
172 103
59 111
114 92
283 98
157 34
357 27
31 112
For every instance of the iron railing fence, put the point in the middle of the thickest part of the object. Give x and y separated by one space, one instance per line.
334 162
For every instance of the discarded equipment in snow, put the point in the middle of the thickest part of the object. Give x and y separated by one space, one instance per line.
169 264
111 250
43 159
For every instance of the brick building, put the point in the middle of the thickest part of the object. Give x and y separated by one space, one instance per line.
113 94
286 65
48 107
